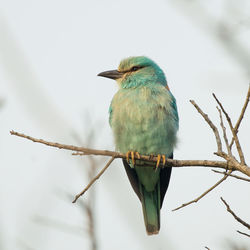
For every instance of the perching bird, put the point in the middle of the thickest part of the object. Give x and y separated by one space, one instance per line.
144 120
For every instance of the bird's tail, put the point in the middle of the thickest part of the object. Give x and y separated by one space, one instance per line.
151 209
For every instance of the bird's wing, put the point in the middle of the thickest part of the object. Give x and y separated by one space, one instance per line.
165 174
174 108
132 176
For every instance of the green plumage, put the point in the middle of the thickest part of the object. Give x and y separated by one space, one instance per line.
144 119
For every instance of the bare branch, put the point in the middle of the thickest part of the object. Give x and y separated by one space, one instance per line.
232 175
205 193
93 180
231 163
224 133
234 215
210 123
236 128
236 139
248 235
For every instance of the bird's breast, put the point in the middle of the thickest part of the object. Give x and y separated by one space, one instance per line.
143 120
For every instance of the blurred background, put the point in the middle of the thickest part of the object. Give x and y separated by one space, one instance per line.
50 54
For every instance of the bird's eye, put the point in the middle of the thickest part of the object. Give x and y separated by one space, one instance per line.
135 68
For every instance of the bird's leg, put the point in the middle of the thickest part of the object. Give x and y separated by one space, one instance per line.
158 162
164 159
159 157
127 156
133 154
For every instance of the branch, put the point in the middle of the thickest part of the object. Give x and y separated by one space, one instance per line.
224 133
89 151
236 139
231 164
234 215
232 175
205 193
93 180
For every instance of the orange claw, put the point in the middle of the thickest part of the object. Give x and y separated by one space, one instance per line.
158 161
127 156
133 154
133 157
164 159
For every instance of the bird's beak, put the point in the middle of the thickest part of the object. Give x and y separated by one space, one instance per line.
112 74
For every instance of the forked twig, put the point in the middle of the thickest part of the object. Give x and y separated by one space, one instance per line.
234 215
236 139
205 193
93 180
224 133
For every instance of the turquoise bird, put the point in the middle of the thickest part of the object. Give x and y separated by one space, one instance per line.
144 120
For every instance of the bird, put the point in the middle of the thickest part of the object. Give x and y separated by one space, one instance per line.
144 119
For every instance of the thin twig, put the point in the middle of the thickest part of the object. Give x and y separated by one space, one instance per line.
93 180
248 235
205 193
241 155
210 123
234 215
232 175
224 132
236 128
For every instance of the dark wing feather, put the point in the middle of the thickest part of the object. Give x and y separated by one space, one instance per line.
132 176
165 174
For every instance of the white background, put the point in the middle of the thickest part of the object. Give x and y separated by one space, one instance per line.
50 54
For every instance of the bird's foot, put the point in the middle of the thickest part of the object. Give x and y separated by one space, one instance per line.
159 157
132 154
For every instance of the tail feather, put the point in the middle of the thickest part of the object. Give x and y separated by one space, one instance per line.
151 209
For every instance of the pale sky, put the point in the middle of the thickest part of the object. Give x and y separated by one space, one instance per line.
50 55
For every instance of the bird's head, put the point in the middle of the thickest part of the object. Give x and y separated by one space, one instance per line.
136 71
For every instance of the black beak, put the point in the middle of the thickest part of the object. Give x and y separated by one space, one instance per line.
112 74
